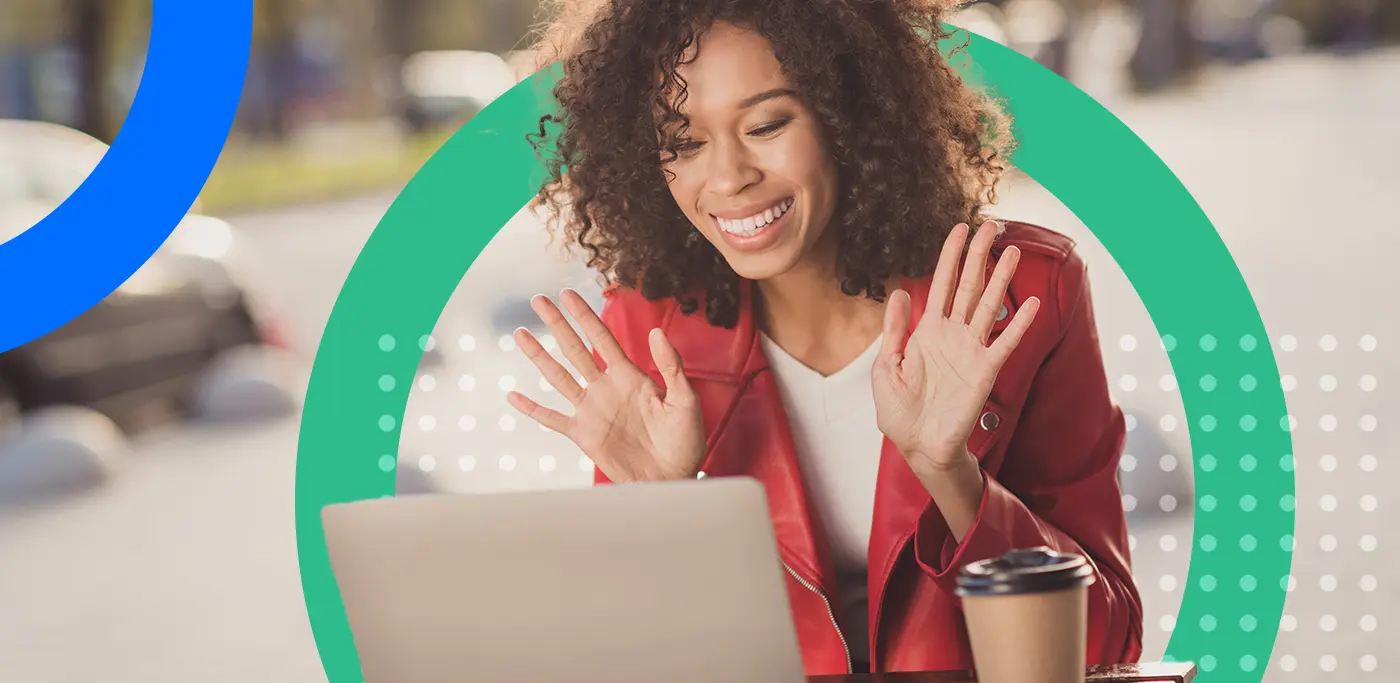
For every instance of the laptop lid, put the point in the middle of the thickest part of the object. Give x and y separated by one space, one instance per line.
638 583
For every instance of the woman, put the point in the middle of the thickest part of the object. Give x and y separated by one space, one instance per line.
780 194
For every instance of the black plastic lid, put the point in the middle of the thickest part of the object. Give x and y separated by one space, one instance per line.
1025 570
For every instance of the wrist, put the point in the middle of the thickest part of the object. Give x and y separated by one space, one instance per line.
942 460
955 483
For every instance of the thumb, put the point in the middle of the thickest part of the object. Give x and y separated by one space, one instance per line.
668 361
895 330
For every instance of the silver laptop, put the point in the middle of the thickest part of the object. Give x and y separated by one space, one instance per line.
640 583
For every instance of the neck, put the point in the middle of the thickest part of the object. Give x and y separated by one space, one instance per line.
804 312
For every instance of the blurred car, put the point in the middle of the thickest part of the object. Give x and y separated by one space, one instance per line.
446 88
146 347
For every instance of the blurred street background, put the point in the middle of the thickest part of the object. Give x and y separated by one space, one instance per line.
146 508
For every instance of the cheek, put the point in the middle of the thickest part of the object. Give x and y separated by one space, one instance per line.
801 159
685 188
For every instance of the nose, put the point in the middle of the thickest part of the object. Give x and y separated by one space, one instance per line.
731 168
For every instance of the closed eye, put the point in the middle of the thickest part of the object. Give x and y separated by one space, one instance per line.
770 129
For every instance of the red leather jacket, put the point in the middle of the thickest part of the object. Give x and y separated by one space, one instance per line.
1049 442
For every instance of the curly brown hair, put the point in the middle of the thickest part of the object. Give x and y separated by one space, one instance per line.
917 149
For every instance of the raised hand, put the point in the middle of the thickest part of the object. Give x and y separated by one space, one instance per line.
632 429
930 390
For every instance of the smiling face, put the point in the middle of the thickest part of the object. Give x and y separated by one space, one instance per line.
753 173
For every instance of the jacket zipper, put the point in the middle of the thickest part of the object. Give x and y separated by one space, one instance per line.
829 612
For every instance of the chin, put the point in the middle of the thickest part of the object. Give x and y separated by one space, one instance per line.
760 266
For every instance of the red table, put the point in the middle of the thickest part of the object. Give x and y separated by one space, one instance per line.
1147 672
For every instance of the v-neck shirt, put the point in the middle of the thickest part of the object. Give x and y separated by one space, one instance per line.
832 420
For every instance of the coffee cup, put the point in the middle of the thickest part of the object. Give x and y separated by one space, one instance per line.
1027 615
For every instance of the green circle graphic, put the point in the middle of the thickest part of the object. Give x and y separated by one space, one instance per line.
1070 144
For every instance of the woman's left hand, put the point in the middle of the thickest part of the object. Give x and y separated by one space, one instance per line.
929 391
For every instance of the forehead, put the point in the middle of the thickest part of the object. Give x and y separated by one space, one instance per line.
728 64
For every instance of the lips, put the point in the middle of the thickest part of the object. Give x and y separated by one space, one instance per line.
753 224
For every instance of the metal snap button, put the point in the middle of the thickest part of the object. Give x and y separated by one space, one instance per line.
990 421
1002 313
701 474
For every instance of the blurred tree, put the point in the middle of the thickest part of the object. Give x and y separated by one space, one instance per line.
274 45
401 22
89 22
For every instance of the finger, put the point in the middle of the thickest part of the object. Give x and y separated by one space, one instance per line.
1001 349
990 305
973 273
552 370
598 333
550 419
668 361
941 291
896 328
573 347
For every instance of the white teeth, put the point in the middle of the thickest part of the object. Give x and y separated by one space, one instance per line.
750 226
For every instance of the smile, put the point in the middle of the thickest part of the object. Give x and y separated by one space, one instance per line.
755 224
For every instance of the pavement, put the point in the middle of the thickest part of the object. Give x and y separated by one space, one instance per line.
185 568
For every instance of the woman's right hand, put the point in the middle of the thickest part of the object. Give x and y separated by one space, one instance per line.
632 429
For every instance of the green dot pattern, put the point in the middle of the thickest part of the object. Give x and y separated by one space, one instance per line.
479 179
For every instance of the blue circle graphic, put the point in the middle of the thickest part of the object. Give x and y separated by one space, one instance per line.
173 134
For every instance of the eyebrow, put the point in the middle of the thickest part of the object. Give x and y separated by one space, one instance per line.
767 95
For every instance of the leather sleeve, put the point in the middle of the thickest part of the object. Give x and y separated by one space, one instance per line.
1058 484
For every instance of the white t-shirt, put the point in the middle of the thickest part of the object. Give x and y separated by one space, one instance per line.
832 419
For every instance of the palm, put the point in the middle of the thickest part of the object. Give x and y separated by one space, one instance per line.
629 426
929 393
626 421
